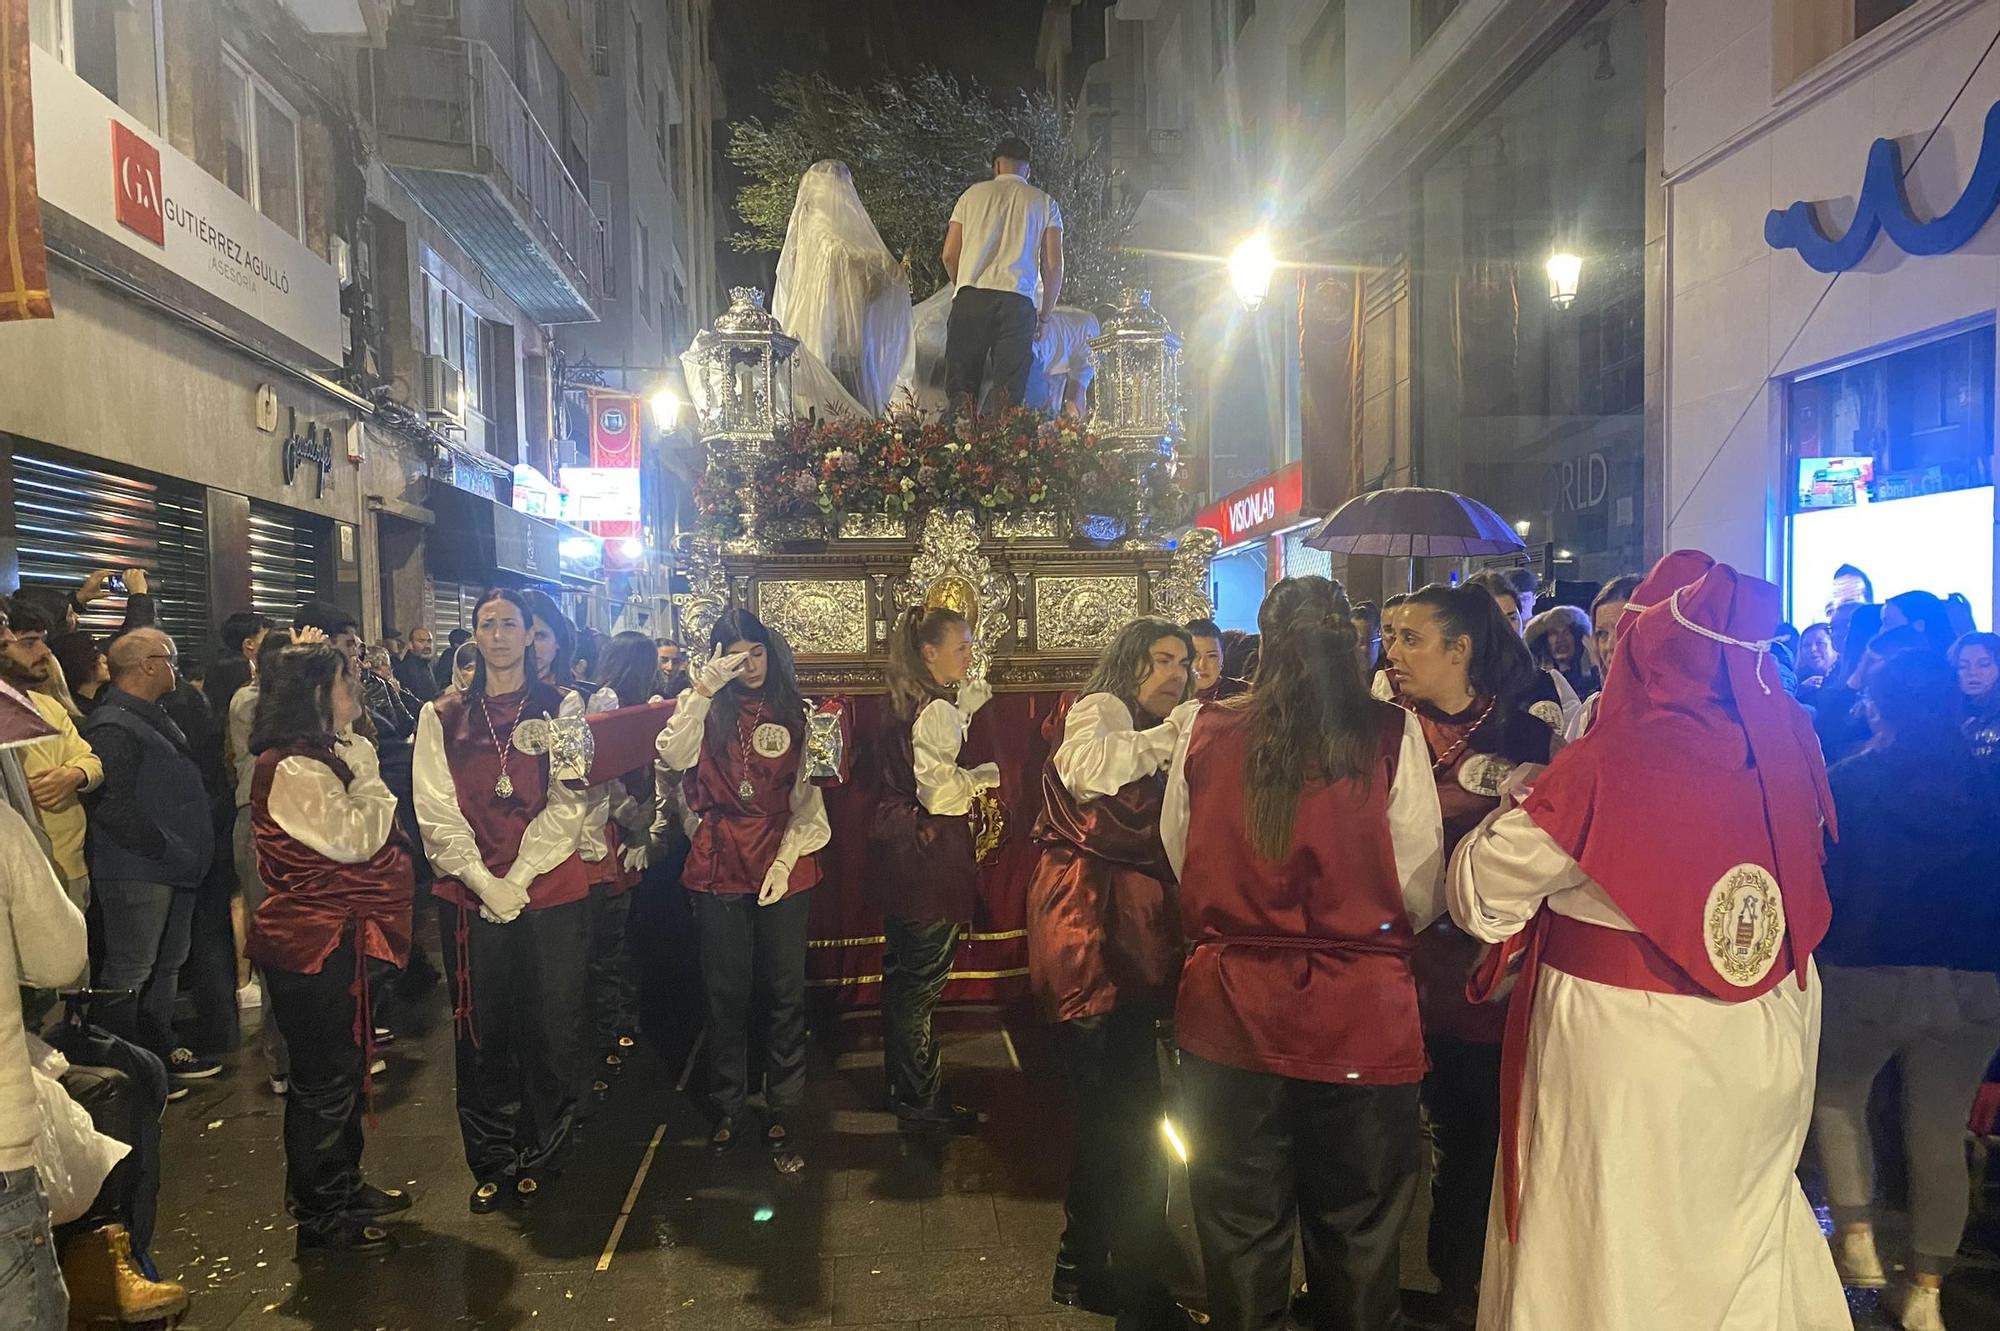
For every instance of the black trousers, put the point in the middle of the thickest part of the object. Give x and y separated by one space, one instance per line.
916 961
1272 1158
209 977
1462 1098
754 957
324 1106
982 323
124 1089
614 998
518 1061
1115 1213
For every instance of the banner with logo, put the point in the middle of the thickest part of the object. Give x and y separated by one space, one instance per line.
24 264
613 474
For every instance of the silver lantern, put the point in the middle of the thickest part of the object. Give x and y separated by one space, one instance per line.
739 374
1136 400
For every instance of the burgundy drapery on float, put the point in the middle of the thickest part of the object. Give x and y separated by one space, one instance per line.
845 951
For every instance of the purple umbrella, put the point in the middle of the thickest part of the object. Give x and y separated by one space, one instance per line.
1416 522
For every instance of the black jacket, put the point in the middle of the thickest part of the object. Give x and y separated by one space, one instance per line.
150 820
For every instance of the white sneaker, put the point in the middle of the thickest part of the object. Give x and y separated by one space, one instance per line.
1854 1256
1921 1310
250 995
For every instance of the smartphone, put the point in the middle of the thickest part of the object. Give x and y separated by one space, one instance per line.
115 584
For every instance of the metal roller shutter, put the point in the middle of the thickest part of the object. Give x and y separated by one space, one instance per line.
72 516
287 560
452 604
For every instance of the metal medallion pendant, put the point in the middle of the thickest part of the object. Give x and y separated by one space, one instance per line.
504 787
746 790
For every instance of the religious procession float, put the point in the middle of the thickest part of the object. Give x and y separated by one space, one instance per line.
1047 532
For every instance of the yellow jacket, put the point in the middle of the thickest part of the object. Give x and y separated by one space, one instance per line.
64 824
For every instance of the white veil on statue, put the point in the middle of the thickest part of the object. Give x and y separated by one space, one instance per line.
840 291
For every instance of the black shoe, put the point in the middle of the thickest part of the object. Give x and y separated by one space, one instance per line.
359 1238
526 1189
187 1065
178 1090
1091 1292
723 1138
485 1198
953 1120
375 1201
384 1037
785 1157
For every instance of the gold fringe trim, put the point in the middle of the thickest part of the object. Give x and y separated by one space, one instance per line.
876 941
841 982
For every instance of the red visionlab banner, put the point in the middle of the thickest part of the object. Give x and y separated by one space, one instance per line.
1257 509
24 272
614 446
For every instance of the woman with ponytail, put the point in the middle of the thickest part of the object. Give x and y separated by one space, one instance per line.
1303 823
922 870
739 736
512 906
1456 664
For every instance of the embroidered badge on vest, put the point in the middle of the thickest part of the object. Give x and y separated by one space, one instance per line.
1548 713
1484 773
771 740
1745 922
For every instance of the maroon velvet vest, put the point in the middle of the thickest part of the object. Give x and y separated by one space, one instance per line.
1101 926
498 824
921 866
1300 965
311 900
738 838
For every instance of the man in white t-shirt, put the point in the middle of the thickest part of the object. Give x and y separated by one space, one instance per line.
1004 253
1064 366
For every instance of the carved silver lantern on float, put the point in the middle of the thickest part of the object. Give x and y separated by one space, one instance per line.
1135 403
739 374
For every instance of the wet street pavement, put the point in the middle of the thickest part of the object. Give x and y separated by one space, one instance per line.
646 1230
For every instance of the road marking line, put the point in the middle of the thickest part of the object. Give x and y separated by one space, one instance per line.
631 1199
1007 1037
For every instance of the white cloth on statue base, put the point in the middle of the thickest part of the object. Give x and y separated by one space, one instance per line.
1661 1134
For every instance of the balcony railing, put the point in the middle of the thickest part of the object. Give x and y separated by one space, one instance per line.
447 107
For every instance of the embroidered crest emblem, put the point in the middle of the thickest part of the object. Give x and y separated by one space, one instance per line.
1548 712
771 740
1484 773
1743 924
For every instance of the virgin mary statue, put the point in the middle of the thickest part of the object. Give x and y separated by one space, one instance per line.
840 291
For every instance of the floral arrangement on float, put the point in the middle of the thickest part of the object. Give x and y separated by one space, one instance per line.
1024 472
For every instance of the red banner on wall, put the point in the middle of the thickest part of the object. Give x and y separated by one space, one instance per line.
24 265
615 434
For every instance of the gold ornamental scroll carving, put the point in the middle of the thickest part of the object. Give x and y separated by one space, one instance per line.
704 601
950 571
819 618
1082 613
1180 591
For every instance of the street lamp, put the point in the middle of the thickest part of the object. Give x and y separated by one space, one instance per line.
1564 271
1250 269
667 406
1521 528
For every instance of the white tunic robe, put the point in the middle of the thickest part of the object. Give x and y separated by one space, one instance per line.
1660 1134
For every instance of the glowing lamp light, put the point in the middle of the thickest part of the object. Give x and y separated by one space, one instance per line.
1564 272
1565 555
1250 269
578 547
1174 1142
1522 527
667 406
632 547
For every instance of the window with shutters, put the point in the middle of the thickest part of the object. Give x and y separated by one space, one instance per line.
287 560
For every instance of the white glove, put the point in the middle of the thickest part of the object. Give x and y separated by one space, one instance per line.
973 694
987 775
777 882
717 672
633 857
500 899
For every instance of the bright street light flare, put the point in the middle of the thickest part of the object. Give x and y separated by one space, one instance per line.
667 406
1565 270
1250 269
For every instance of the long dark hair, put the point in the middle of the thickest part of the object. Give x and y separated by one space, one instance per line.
545 609
783 703
631 669
1309 716
517 598
1129 659
1915 693
1928 616
911 687
1500 666
295 697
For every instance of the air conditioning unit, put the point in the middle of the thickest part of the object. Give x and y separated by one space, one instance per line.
444 389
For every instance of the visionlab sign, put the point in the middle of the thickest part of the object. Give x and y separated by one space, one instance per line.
1257 509
110 173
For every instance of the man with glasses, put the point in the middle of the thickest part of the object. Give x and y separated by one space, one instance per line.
60 768
151 844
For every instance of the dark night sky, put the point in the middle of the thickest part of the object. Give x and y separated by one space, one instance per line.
856 42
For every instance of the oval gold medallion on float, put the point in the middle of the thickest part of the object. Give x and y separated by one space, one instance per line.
1743 924
771 740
